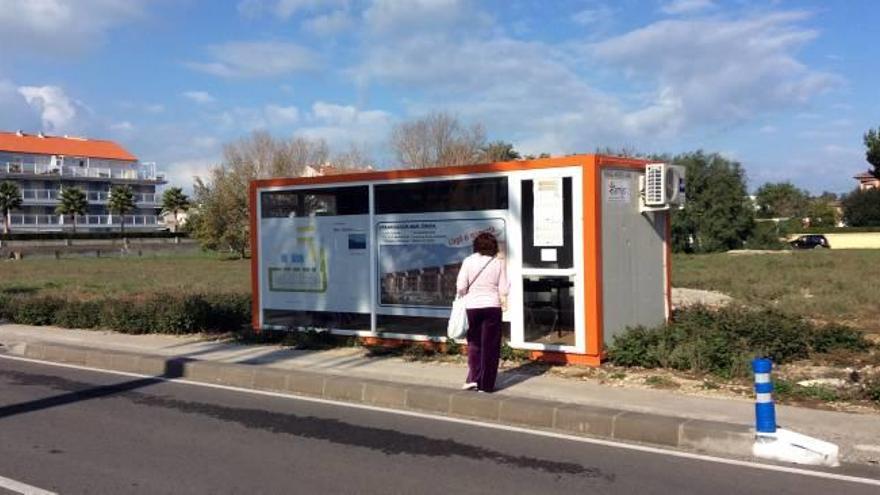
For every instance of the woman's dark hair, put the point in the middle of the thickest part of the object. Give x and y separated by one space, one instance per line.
486 244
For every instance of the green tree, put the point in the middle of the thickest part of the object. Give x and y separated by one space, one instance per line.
121 202
821 212
174 201
10 199
718 215
781 199
499 151
862 208
73 202
872 151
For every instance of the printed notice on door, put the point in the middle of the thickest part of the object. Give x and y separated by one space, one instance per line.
548 212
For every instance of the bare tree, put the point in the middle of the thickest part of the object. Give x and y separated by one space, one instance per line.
354 159
220 215
437 139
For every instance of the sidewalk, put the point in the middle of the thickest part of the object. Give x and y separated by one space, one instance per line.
720 426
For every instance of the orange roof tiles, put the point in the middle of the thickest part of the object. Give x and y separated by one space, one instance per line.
67 146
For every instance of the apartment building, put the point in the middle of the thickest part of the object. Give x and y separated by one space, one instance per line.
42 166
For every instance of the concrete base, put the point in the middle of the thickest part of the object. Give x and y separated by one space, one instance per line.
788 446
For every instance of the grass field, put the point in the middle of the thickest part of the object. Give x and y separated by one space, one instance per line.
827 285
830 285
99 277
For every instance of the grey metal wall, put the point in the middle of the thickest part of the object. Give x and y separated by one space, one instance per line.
632 256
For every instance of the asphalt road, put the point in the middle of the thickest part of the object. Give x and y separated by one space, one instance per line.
76 431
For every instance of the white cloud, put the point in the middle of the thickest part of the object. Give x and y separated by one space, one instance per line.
123 126
284 9
256 59
592 16
844 152
768 129
182 173
61 27
200 97
716 71
154 108
58 112
271 117
675 7
342 125
329 24
281 115
671 77
388 16
15 113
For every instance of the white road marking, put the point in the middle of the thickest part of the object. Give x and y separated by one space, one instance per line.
22 488
470 422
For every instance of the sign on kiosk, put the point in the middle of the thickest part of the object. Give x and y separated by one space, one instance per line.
377 254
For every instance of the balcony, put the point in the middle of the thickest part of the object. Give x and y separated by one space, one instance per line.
51 196
145 172
56 222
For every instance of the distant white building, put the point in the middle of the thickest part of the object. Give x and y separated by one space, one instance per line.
42 166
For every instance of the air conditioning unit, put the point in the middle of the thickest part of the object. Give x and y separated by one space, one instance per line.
662 187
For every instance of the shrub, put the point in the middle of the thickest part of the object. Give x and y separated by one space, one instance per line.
872 389
35 310
125 316
510 354
766 235
724 341
417 352
452 347
74 314
227 312
170 313
833 337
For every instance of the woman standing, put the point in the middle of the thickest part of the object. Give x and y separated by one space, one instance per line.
482 281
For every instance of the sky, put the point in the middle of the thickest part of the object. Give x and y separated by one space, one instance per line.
787 88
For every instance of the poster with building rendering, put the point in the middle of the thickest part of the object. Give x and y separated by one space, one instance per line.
419 260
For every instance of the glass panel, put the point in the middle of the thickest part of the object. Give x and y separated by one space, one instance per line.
421 325
448 195
316 202
548 310
546 256
316 319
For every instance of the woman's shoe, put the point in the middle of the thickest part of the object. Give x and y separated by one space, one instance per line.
469 386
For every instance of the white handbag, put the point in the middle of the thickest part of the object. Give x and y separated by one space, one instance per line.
458 323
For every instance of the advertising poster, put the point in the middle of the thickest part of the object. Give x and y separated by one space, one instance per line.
548 210
316 263
419 260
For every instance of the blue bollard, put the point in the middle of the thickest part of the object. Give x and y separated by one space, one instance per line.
765 410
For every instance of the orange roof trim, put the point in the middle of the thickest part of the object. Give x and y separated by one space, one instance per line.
59 145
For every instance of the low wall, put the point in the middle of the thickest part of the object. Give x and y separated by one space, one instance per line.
62 248
850 240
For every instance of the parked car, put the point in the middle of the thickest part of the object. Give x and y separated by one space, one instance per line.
810 241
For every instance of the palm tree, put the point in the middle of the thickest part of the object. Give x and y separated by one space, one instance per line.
174 201
10 199
121 202
73 203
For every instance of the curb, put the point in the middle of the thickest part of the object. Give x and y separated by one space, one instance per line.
711 437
